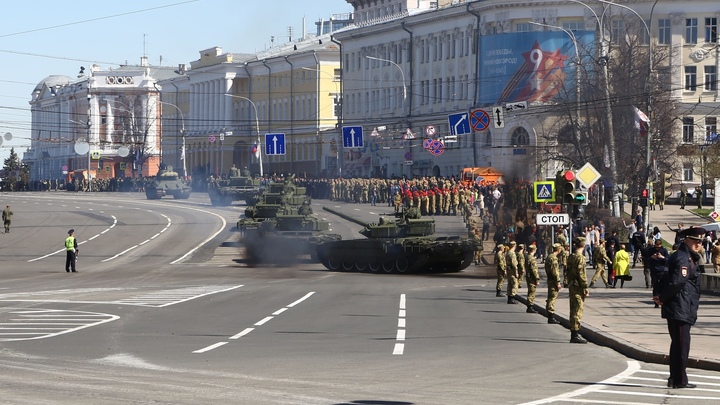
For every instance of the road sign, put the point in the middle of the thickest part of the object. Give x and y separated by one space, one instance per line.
274 144
211 138
714 215
498 119
552 219
544 191
429 130
222 136
95 155
409 134
450 139
352 137
408 163
518 105
587 175
479 120
436 148
65 167
374 132
459 124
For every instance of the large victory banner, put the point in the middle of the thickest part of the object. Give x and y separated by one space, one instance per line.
531 66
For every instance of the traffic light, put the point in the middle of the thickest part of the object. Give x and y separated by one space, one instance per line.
566 188
644 195
664 186
580 198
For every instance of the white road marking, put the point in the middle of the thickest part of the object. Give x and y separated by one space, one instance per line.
46 323
259 323
79 243
400 337
169 223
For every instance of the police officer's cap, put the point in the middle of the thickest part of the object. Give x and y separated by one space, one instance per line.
695 233
70 232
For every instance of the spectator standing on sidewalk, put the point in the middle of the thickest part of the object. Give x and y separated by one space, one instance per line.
715 253
678 231
657 260
679 296
638 243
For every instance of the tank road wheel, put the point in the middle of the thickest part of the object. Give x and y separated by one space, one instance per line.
361 266
374 267
334 263
402 264
388 266
348 266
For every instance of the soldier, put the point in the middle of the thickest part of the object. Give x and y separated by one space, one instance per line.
7 218
552 270
477 258
562 261
699 196
683 196
521 265
397 201
600 258
501 269
512 273
532 277
578 288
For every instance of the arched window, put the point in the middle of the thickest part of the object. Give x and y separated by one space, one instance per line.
520 136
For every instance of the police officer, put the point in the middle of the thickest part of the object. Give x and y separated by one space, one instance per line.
532 277
71 249
679 295
552 270
577 287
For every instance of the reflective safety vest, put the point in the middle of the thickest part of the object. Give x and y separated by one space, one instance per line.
70 243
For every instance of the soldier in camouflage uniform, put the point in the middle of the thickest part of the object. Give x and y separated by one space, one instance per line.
521 264
532 277
552 270
512 273
600 258
478 245
501 269
562 261
578 289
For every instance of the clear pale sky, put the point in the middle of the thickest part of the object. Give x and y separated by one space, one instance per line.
39 38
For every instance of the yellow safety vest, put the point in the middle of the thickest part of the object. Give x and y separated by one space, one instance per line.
70 243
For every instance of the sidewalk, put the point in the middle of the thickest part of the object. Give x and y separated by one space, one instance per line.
626 319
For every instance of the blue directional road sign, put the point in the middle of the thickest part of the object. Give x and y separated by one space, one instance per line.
459 124
352 137
274 144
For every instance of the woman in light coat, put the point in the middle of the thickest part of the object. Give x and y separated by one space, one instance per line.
621 265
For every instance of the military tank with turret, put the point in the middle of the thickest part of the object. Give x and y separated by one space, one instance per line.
239 186
404 245
167 182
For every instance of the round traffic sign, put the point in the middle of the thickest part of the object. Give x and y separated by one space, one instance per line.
429 130
408 156
436 148
211 138
479 120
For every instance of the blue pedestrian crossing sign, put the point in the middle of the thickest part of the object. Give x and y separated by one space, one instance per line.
274 144
544 191
352 137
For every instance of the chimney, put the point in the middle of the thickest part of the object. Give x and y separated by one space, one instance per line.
181 69
143 60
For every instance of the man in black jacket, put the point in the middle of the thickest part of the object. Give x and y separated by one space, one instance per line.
679 295
656 260
638 241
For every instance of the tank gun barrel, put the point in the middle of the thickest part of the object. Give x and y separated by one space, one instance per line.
345 216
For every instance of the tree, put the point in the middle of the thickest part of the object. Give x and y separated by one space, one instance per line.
134 122
14 172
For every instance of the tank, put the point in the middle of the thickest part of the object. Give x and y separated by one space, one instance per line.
277 197
236 188
292 232
405 244
167 182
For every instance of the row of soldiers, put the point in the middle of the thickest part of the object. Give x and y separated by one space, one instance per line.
513 263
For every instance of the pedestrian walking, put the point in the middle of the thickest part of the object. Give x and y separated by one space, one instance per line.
7 218
679 295
621 266
71 250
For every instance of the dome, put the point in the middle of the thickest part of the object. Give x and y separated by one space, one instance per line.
52 81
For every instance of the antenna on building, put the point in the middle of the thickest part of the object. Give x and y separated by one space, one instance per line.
290 33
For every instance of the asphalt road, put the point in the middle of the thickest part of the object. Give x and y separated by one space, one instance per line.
164 310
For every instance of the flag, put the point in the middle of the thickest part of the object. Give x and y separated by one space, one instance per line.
641 121
254 150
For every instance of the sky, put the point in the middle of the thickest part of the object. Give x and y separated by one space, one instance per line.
39 38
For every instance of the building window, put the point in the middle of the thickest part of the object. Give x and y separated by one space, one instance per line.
687 172
520 137
664 31
688 130
524 27
618 30
711 78
711 30
691 78
710 129
577 25
691 30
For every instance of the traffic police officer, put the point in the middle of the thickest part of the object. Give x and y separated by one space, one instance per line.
71 249
679 295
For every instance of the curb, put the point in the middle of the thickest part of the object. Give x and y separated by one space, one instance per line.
622 346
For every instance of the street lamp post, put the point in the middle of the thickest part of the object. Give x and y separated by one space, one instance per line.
646 213
337 102
182 133
257 129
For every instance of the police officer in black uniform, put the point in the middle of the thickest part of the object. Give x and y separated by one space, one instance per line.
679 295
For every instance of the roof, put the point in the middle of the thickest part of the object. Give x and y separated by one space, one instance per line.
52 81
